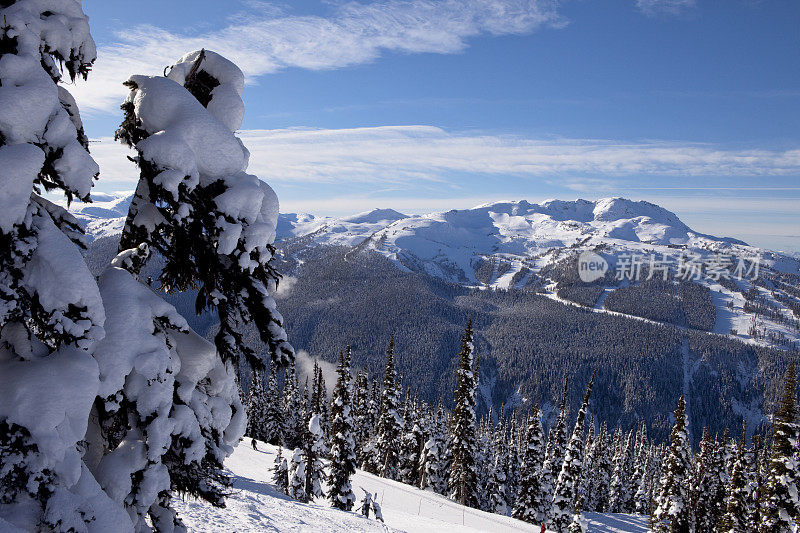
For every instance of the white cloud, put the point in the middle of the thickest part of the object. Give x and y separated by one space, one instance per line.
664 7
267 39
403 154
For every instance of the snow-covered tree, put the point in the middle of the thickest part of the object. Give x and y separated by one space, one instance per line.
463 482
433 460
51 312
211 222
342 452
780 506
704 482
390 423
273 410
531 505
313 451
361 415
411 445
297 477
256 406
566 492
736 517
280 472
294 409
620 489
498 482
673 511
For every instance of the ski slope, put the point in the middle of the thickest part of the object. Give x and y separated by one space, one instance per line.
256 505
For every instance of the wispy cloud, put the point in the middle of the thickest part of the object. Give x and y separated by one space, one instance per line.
400 154
664 7
267 39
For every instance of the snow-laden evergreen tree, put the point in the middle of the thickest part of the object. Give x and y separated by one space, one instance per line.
592 469
512 466
313 451
294 409
673 511
433 461
557 437
642 476
751 477
463 482
51 312
280 472
361 415
390 423
211 222
411 446
604 471
736 517
297 476
498 482
705 479
256 407
273 410
620 490
566 492
342 453
165 395
484 453
780 506
724 452
532 501
319 398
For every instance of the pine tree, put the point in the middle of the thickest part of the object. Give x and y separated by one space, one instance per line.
463 482
673 509
187 209
256 404
280 473
779 508
313 451
498 483
412 443
297 477
605 467
620 493
51 312
273 410
390 424
531 505
705 480
434 463
735 519
342 453
566 492
361 415
294 421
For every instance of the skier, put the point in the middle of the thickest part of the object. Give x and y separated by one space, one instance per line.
253 442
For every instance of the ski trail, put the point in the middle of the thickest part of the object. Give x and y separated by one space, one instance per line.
598 305
687 377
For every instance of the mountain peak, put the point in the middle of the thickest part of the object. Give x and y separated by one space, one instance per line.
374 216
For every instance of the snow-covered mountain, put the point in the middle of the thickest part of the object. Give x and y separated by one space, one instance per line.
516 244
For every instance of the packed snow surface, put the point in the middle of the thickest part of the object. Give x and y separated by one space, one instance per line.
256 505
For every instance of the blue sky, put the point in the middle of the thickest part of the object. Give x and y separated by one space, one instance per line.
429 105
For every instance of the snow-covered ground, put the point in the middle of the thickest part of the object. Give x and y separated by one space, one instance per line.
256 505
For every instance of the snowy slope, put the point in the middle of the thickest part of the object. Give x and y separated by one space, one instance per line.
257 506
